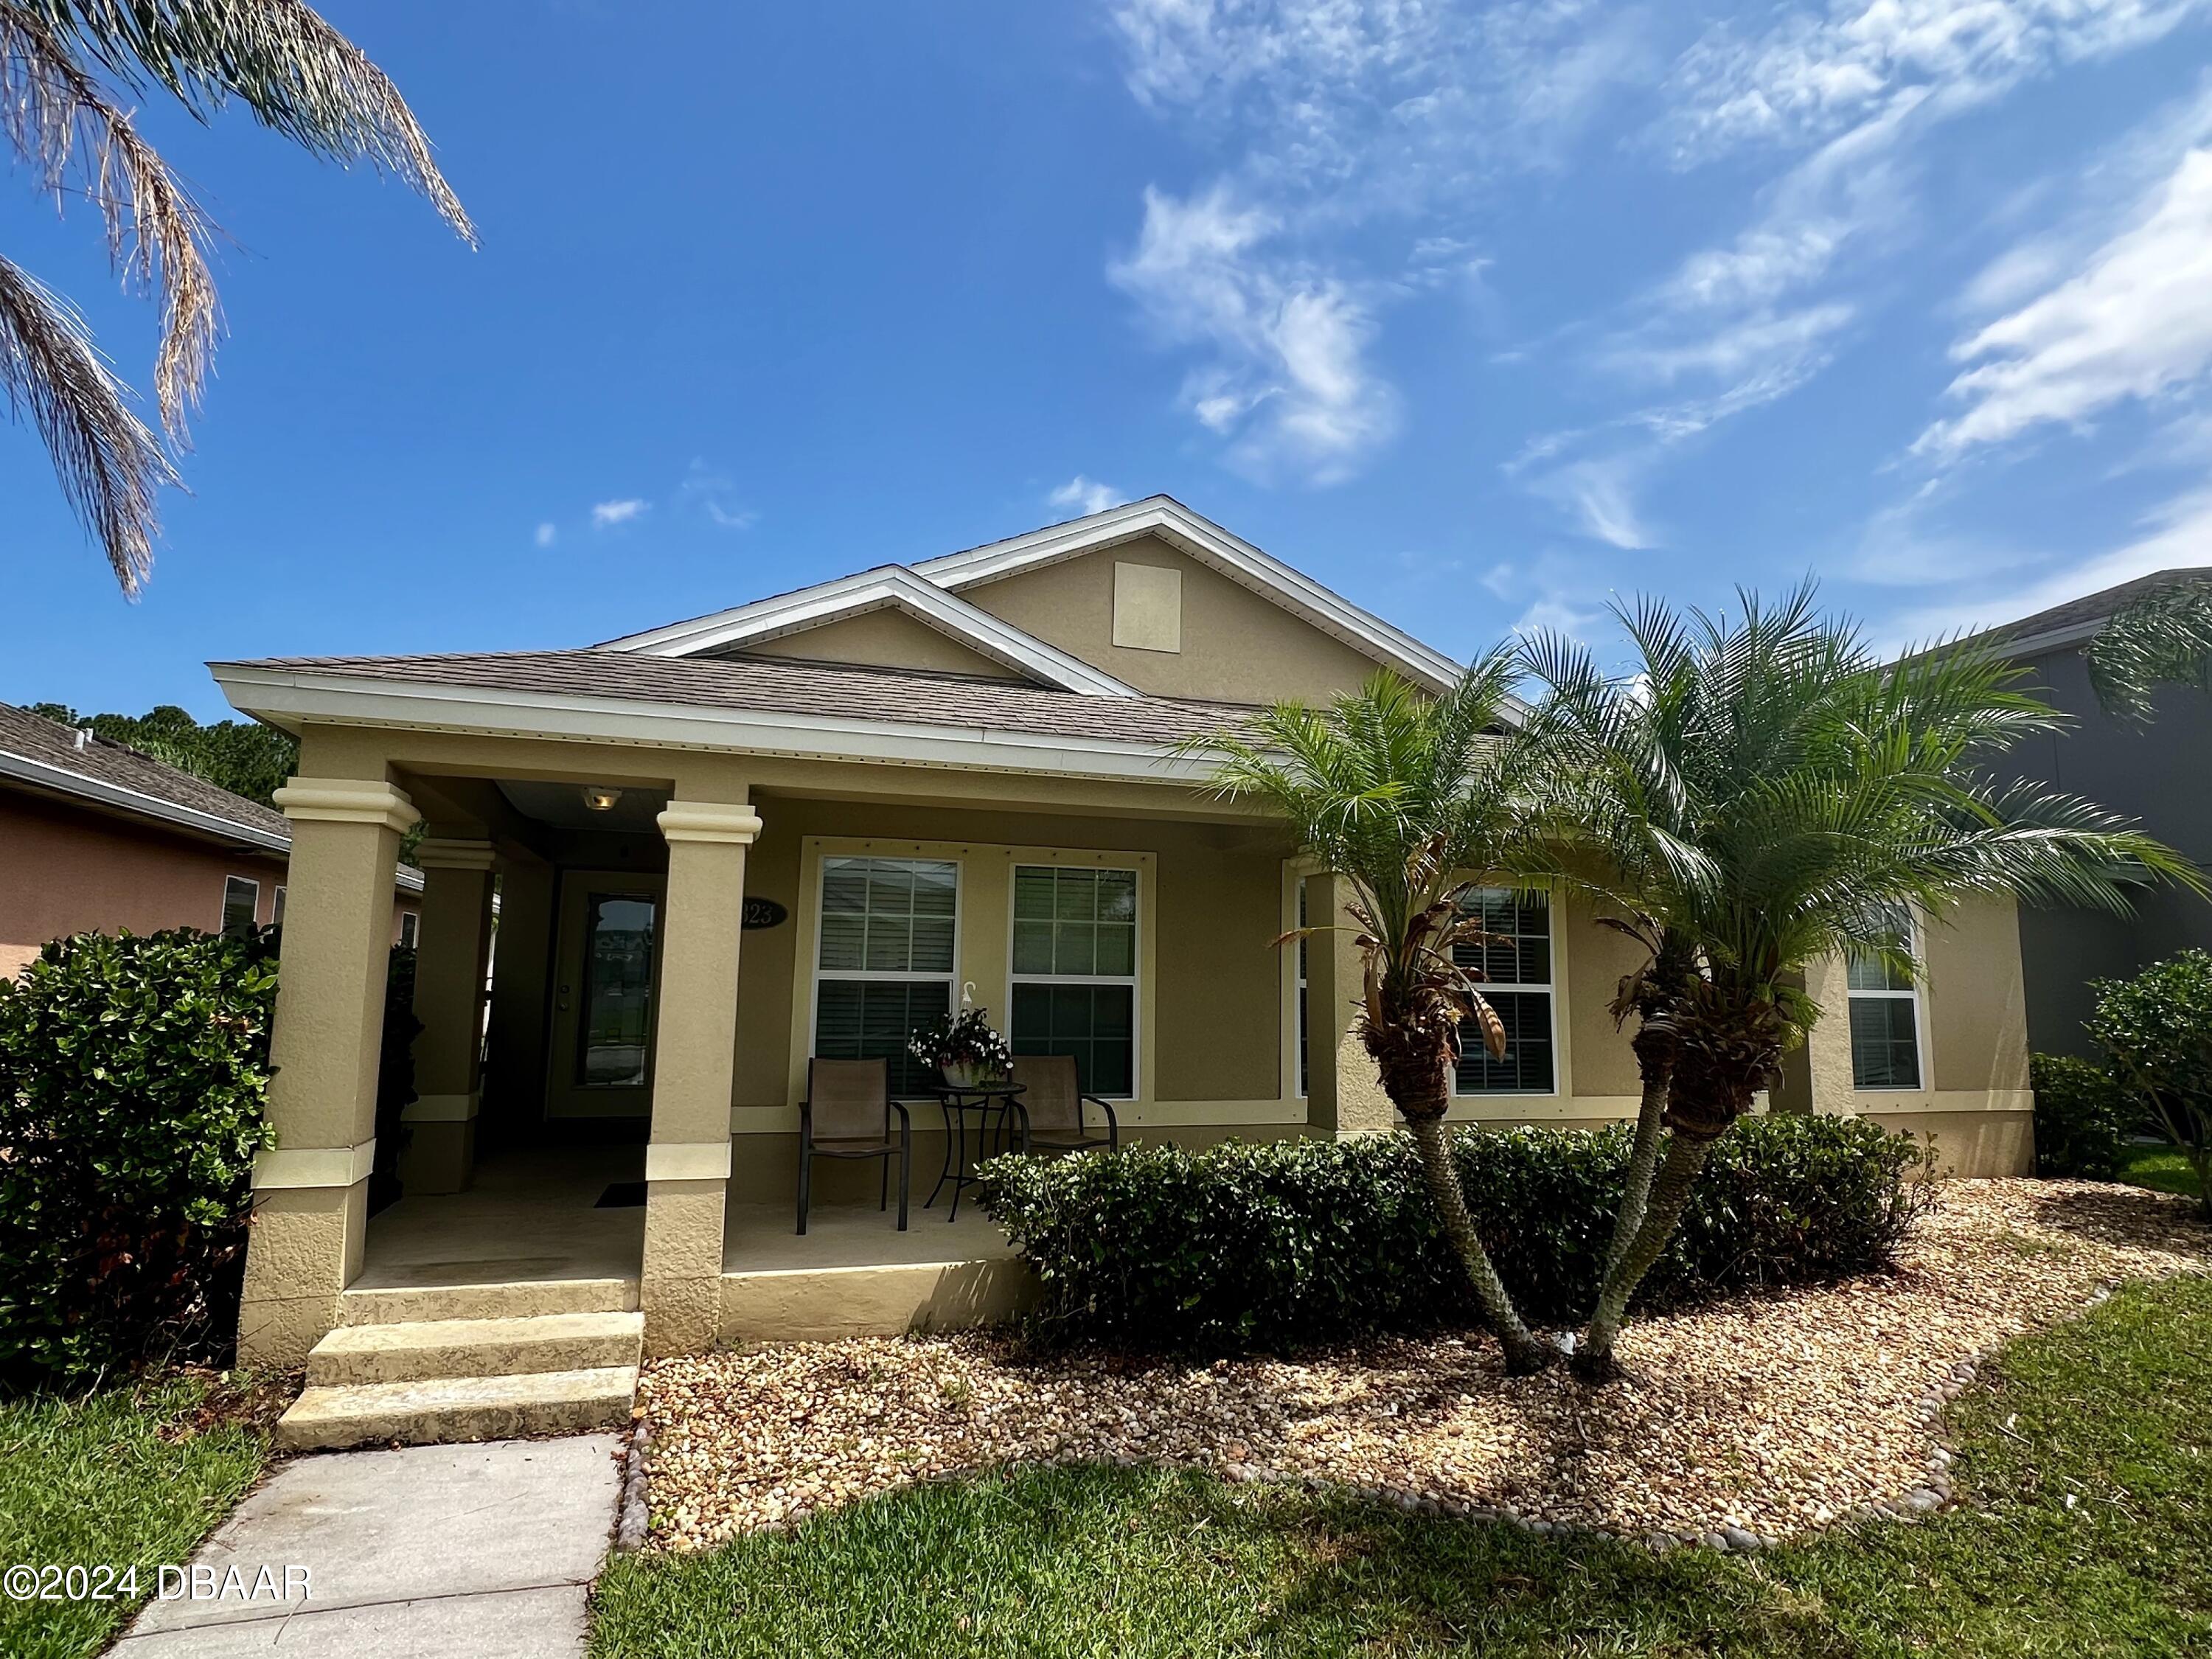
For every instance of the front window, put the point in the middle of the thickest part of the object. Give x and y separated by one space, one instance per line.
1075 972
884 959
1885 1011
1514 961
241 899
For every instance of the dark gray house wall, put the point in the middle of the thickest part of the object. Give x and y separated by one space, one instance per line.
2160 774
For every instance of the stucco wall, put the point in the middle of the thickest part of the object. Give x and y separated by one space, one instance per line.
1236 646
883 639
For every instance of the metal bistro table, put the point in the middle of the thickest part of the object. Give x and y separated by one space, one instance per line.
983 1099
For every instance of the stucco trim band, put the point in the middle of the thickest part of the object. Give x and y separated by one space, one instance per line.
346 801
687 1160
438 852
709 821
1881 1103
442 1109
291 1168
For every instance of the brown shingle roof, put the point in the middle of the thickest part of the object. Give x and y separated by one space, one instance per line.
2095 607
99 762
785 686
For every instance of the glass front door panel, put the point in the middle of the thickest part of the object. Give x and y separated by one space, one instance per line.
615 1036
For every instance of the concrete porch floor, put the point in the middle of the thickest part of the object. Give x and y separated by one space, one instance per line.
530 1217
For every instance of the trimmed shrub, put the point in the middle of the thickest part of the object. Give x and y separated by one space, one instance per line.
133 1074
2082 1118
2156 1029
1271 1246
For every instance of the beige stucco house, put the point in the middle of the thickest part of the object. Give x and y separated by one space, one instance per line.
796 827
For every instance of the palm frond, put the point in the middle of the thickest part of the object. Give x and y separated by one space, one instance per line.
111 465
2163 639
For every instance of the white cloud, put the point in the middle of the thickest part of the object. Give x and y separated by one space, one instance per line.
714 492
2135 323
1085 495
1600 494
607 515
1815 71
1287 372
546 534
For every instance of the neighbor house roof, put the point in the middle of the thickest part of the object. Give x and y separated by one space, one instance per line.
784 705
65 760
2079 619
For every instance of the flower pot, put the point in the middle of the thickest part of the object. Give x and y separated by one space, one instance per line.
965 1073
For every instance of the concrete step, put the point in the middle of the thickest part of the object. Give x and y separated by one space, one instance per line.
425 1350
517 1299
459 1408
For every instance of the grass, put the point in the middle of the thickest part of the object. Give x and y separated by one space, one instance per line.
2160 1167
131 1475
2087 1462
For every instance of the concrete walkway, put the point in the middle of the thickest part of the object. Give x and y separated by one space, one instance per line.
483 1550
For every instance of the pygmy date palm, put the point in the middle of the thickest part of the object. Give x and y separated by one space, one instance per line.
61 65
1407 797
1760 792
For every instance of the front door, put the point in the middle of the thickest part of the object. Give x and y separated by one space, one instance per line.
605 983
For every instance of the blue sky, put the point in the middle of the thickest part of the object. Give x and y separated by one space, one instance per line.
1481 315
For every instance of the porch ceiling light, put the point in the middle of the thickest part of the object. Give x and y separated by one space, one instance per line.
600 798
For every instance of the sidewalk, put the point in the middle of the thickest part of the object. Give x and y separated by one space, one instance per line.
485 1550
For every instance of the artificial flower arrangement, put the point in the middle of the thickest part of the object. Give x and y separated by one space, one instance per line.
962 1046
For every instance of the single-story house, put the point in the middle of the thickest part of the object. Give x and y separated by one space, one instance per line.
2152 771
96 836
797 827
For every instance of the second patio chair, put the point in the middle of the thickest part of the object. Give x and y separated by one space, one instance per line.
847 1114
1053 1102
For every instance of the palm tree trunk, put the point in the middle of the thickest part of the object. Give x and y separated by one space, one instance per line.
1525 1354
1643 1161
1670 1194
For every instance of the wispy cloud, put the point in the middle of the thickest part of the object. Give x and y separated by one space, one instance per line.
2135 323
1086 496
1285 376
605 515
546 535
714 494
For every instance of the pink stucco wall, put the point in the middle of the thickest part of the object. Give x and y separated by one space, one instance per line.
67 870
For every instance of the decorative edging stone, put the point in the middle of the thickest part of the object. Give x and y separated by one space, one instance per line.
633 1519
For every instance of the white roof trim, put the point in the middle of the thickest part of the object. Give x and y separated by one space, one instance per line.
304 694
1219 549
892 586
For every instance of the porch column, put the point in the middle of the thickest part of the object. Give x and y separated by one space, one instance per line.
449 976
311 1192
1344 1094
687 1157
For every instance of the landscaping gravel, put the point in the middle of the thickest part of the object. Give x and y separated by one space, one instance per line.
1741 1423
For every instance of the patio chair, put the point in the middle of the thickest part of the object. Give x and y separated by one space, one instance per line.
1052 1102
847 1114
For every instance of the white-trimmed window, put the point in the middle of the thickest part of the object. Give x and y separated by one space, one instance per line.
277 907
884 957
410 929
1885 1014
241 901
1515 961
1075 972
1305 1016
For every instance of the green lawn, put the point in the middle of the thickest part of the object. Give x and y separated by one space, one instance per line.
2087 1462
130 1475
2162 1167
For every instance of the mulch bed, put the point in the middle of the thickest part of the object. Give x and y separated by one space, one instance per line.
1756 1418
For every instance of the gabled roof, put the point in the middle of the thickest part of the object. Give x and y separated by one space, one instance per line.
890 585
2079 619
65 759
1219 550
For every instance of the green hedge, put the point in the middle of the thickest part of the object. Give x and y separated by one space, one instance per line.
1274 1245
133 1072
2082 1118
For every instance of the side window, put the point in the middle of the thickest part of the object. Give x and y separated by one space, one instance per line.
241 899
410 927
1885 1015
1516 962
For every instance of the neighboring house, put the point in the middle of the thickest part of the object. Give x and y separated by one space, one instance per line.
797 827
2155 772
96 836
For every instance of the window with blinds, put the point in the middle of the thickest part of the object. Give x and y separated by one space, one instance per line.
1885 1014
884 959
1075 972
1515 960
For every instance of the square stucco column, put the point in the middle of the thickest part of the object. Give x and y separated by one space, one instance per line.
449 976
310 1192
687 1157
1344 1092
